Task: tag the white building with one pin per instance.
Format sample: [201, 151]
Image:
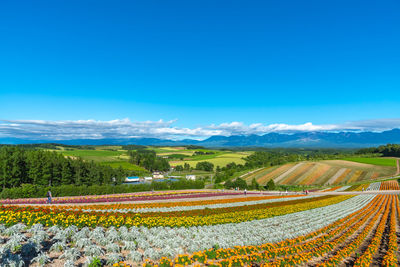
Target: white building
[191, 177]
[158, 175]
[148, 178]
[132, 179]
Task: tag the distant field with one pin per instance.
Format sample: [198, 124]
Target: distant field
[187, 153]
[159, 150]
[374, 161]
[124, 165]
[95, 155]
[221, 159]
[327, 172]
[115, 156]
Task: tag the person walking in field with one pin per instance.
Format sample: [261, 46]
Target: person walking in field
[245, 191]
[48, 197]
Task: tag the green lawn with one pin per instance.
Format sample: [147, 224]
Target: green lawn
[125, 165]
[95, 155]
[374, 161]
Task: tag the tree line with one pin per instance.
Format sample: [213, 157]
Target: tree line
[148, 159]
[19, 165]
[389, 150]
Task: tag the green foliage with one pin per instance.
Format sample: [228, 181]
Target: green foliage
[148, 160]
[176, 156]
[19, 166]
[95, 262]
[205, 166]
[270, 185]
[189, 147]
[197, 153]
[186, 167]
[239, 182]
[254, 185]
[389, 150]
[179, 168]
[184, 184]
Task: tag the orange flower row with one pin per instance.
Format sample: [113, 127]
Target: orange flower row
[390, 185]
[390, 259]
[366, 258]
[330, 245]
[331, 189]
[251, 254]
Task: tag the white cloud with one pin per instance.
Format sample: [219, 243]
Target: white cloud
[124, 128]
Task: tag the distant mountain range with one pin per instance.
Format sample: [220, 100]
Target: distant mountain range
[301, 139]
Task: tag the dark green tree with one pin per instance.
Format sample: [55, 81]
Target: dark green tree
[270, 185]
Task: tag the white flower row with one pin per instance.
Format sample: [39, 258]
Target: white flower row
[374, 186]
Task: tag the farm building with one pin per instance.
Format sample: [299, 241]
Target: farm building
[158, 175]
[191, 177]
[132, 179]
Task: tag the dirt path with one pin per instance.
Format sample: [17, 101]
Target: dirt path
[398, 166]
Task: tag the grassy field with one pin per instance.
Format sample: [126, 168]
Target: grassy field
[95, 155]
[374, 161]
[326, 172]
[114, 156]
[219, 159]
[125, 165]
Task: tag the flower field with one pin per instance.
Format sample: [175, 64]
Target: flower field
[252, 230]
[119, 197]
[326, 172]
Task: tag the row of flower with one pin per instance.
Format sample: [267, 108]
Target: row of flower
[390, 185]
[366, 225]
[133, 245]
[169, 204]
[375, 243]
[10, 215]
[121, 197]
[317, 247]
[390, 258]
[337, 189]
[249, 202]
[298, 251]
[280, 254]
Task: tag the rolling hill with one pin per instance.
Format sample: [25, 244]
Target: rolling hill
[326, 172]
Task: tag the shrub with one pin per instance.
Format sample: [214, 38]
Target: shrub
[270, 185]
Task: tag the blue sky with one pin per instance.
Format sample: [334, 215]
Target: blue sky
[200, 63]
